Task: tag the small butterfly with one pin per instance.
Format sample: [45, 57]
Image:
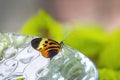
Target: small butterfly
[48, 47]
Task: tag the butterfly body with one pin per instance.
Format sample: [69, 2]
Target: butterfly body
[48, 47]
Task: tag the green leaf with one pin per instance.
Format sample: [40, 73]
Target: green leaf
[43, 25]
[88, 38]
[109, 74]
[110, 56]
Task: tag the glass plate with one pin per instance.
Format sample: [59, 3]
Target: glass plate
[19, 61]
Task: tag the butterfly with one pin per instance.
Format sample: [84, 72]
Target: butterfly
[48, 47]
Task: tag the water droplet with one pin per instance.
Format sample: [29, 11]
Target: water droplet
[10, 65]
[10, 52]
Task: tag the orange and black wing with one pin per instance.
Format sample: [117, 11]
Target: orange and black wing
[48, 47]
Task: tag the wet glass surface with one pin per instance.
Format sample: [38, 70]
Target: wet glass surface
[19, 61]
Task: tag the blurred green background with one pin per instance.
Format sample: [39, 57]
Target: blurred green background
[101, 46]
[90, 26]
